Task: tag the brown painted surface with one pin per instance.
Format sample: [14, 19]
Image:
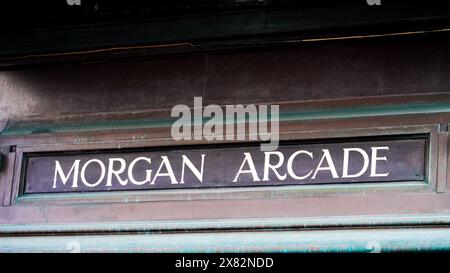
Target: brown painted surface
[6, 176]
[442, 167]
[331, 75]
[392, 203]
[331, 70]
[219, 203]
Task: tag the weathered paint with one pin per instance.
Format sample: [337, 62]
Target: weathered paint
[381, 240]
[89, 101]
[228, 224]
[342, 113]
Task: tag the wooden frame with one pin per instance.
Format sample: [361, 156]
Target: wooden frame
[231, 193]
[273, 207]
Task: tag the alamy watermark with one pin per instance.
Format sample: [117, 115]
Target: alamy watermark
[213, 123]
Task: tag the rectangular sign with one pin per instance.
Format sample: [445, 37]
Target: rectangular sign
[228, 166]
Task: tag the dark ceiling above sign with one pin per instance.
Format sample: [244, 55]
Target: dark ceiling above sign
[46, 29]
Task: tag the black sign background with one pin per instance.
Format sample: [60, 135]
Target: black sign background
[406, 162]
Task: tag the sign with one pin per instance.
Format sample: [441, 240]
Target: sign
[228, 166]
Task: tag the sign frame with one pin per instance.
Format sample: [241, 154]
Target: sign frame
[236, 193]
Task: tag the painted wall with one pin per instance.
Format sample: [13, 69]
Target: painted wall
[327, 89]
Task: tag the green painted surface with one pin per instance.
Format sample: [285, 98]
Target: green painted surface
[231, 224]
[376, 240]
[311, 115]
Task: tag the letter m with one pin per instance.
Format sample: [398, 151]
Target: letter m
[240, 112]
[64, 178]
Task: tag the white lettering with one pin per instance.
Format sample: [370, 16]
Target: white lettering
[331, 167]
[375, 158]
[64, 178]
[117, 173]
[147, 172]
[195, 171]
[165, 162]
[291, 160]
[83, 173]
[252, 170]
[346, 162]
[274, 168]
